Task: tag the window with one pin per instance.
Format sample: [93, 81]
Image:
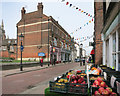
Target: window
[65, 46]
[4, 48]
[55, 41]
[11, 48]
[9, 41]
[114, 42]
[119, 49]
[114, 51]
[62, 44]
[15, 41]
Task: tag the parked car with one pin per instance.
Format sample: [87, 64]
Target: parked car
[77, 60]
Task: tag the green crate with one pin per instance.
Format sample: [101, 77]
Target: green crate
[58, 87]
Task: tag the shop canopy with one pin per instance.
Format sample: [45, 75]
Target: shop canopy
[92, 52]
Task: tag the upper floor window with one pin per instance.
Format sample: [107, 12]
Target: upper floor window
[62, 44]
[9, 41]
[65, 46]
[55, 41]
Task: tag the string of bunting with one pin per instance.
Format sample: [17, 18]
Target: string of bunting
[80, 10]
[77, 8]
[84, 38]
[82, 26]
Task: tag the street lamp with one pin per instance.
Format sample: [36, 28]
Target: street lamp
[21, 37]
[81, 45]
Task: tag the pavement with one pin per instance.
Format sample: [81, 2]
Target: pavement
[27, 69]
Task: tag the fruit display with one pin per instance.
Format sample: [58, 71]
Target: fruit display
[99, 83]
[100, 88]
[104, 92]
[73, 81]
[95, 78]
[63, 80]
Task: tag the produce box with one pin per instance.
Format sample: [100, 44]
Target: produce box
[58, 87]
[76, 88]
[106, 91]
[94, 77]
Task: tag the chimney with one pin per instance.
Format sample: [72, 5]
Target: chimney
[23, 11]
[40, 9]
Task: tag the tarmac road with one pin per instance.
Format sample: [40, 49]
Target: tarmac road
[34, 82]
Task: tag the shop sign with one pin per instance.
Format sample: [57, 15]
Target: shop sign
[53, 49]
[41, 54]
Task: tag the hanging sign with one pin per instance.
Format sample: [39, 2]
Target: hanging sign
[41, 54]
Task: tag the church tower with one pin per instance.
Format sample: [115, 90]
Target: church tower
[3, 31]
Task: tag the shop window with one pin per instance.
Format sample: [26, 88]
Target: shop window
[114, 61]
[119, 40]
[114, 42]
[119, 49]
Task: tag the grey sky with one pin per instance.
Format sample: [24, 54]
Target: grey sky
[69, 18]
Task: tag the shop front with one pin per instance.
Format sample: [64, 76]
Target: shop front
[111, 45]
[65, 55]
[55, 54]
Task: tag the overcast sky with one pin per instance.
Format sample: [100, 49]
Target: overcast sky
[68, 17]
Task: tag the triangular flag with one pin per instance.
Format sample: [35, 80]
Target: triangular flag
[73, 7]
[82, 11]
[86, 13]
[79, 9]
[70, 5]
[89, 15]
[67, 3]
[89, 21]
[63, 0]
[80, 27]
[84, 24]
[92, 19]
[76, 7]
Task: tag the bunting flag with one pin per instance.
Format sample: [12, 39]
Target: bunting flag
[82, 26]
[67, 3]
[84, 12]
[84, 38]
[81, 11]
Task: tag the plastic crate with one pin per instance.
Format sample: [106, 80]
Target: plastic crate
[75, 88]
[92, 75]
[93, 89]
[58, 87]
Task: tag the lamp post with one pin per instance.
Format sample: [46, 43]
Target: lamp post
[21, 37]
[81, 45]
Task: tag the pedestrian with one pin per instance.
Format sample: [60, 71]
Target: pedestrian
[54, 61]
[41, 62]
[84, 61]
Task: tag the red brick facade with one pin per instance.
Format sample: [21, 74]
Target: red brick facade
[98, 28]
[37, 29]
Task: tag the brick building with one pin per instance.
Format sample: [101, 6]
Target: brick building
[8, 47]
[98, 25]
[43, 34]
